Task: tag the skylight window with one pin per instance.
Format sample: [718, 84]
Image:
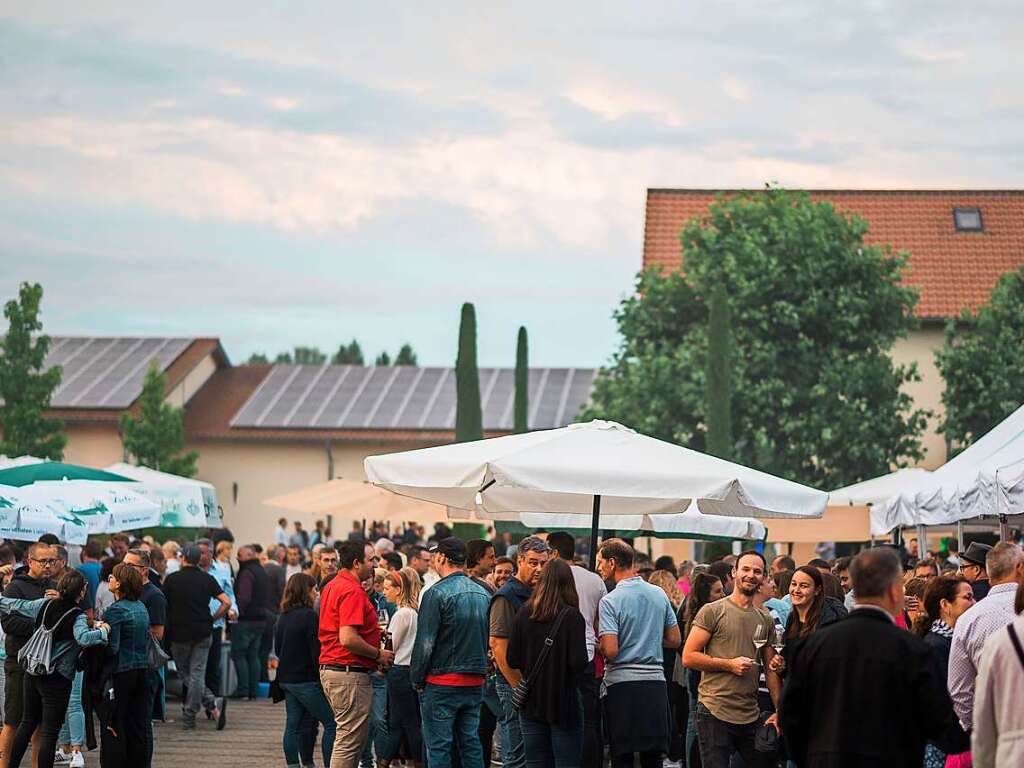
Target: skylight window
[967, 219]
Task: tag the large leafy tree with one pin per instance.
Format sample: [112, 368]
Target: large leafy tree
[814, 314]
[25, 386]
[156, 438]
[983, 364]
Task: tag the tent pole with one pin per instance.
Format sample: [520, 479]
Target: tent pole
[922, 542]
[960, 535]
[1004, 528]
[594, 522]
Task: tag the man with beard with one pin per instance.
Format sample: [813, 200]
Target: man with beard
[503, 570]
[531, 555]
[721, 646]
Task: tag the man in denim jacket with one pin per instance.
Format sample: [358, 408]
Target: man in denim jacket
[449, 659]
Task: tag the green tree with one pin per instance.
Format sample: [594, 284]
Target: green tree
[468, 414]
[383, 359]
[983, 364]
[283, 358]
[406, 356]
[718, 377]
[257, 358]
[156, 438]
[815, 311]
[521, 413]
[25, 386]
[349, 354]
[308, 356]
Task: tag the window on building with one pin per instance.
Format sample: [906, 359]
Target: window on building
[967, 219]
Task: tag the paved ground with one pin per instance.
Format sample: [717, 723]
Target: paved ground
[252, 738]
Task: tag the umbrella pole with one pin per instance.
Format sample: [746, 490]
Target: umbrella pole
[594, 522]
[960, 535]
[1004, 528]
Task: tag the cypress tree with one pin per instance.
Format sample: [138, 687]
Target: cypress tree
[522, 384]
[468, 415]
[718, 382]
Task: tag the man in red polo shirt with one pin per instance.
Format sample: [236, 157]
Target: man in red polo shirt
[349, 650]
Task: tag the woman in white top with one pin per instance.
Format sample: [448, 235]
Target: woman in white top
[997, 739]
[403, 737]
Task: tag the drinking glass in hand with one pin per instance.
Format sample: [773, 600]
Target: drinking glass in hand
[760, 640]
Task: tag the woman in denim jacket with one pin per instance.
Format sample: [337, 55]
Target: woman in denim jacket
[47, 696]
[129, 641]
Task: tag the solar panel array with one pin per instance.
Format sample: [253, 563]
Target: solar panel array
[405, 397]
[107, 372]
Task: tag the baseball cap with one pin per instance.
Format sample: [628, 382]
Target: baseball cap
[453, 548]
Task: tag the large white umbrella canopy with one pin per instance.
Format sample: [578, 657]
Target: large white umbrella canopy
[355, 499]
[103, 506]
[691, 524]
[563, 470]
[981, 480]
[184, 501]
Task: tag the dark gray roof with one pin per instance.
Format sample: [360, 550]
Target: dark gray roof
[404, 397]
[107, 372]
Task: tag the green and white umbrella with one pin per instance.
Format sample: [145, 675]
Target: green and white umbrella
[26, 514]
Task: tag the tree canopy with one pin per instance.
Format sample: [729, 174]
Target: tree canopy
[156, 438]
[26, 387]
[814, 314]
[983, 364]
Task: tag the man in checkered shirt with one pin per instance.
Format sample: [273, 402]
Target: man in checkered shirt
[1005, 567]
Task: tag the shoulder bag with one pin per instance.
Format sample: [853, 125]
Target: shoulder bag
[522, 690]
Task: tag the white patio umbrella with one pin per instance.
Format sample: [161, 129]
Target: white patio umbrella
[357, 499]
[104, 507]
[184, 501]
[584, 470]
[26, 514]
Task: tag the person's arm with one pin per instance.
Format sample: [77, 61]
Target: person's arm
[608, 630]
[86, 637]
[158, 617]
[577, 637]
[243, 592]
[426, 633]
[229, 590]
[350, 615]
[25, 609]
[695, 658]
[222, 609]
[514, 646]
[961, 678]
[671, 637]
[501, 618]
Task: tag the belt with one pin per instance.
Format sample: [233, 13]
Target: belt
[346, 668]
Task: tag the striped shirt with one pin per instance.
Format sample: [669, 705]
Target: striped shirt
[972, 629]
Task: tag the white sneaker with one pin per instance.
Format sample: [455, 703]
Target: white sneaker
[77, 760]
[61, 757]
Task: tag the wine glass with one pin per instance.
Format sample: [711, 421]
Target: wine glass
[779, 642]
[760, 640]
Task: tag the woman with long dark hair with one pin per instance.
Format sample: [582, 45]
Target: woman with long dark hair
[704, 588]
[403, 736]
[812, 609]
[551, 720]
[298, 659]
[945, 600]
[47, 695]
[129, 642]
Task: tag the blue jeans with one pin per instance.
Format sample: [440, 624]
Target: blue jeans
[245, 653]
[452, 713]
[73, 730]
[513, 754]
[552, 746]
[306, 700]
[378, 717]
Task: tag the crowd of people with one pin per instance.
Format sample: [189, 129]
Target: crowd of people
[442, 652]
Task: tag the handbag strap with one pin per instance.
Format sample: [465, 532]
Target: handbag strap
[1016, 643]
[548, 642]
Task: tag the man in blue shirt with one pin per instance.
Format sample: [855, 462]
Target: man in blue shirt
[90, 566]
[636, 621]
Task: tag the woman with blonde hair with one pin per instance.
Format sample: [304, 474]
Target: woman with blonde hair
[669, 585]
[403, 736]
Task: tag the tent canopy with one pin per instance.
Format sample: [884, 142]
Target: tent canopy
[26, 474]
[877, 489]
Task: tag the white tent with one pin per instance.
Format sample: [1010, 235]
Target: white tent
[877, 489]
[987, 478]
[587, 472]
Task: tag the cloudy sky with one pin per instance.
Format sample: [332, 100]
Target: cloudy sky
[302, 173]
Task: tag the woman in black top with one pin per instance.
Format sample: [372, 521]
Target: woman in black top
[552, 718]
[298, 670]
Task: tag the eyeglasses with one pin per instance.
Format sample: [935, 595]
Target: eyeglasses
[140, 566]
[45, 562]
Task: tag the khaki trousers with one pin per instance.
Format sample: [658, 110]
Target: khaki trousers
[351, 697]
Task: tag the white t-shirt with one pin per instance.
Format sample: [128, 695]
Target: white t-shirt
[590, 588]
[403, 634]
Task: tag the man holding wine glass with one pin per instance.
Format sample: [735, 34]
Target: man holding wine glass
[729, 644]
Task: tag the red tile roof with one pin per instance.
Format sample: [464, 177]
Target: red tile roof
[953, 270]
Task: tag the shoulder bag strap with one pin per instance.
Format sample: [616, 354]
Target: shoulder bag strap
[548, 642]
[1016, 643]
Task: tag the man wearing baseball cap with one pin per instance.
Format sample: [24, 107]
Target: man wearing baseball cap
[449, 658]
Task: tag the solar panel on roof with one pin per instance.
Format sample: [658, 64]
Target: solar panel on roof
[400, 397]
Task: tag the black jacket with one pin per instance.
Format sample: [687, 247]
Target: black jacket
[832, 610]
[863, 692]
[20, 628]
[251, 587]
